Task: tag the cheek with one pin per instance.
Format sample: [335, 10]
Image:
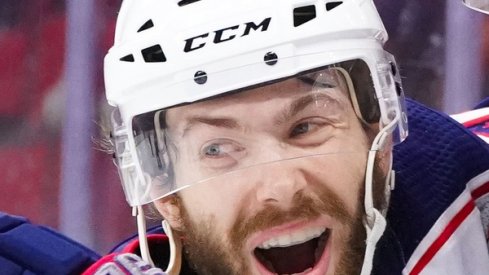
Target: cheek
[343, 174]
[350, 175]
[213, 201]
[350, 168]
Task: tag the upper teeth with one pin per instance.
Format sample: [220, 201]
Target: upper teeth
[293, 238]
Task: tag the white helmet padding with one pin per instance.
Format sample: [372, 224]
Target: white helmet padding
[212, 36]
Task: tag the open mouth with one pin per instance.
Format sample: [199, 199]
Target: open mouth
[293, 253]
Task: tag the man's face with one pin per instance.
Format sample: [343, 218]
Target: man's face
[281, 171]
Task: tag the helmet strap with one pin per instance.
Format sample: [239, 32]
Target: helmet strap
[143, 241]
[374, 233]
[175, 263]
[375, 222]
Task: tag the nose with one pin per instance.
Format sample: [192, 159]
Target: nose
[279, 182]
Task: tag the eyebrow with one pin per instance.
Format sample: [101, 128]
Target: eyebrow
[300, 104]
[221, 122]
[295, 107]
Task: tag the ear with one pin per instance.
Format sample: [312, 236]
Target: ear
[169, 208]
[385, 157]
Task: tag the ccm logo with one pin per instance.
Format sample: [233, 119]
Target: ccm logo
[223, 35]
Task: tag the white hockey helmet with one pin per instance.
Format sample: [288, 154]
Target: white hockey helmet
[169, 53]
[478, 5]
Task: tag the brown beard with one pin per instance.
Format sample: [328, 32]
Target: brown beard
[207, 253]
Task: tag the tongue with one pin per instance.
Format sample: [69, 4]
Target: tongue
[292, 259]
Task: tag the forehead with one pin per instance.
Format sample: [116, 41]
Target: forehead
[330, 83]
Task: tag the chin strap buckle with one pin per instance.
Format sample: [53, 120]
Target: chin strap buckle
[375, 226]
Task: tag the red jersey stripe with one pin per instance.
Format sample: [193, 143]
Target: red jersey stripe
[480, 191]
[476, 121]
[444, 236]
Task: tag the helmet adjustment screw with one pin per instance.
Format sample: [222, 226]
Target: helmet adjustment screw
[270, 58]
[200, 77]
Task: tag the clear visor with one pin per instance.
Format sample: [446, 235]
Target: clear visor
[479, 5]
[315, 121]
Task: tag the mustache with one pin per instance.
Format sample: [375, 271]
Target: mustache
[303, 207]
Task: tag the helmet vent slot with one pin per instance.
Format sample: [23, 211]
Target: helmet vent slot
[304, 14]
[148, 25]
[153, 54]
[127, 58]
[186, 2]
[332, 5]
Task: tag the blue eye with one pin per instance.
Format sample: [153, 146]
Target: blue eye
[221, 149]
[221, 153]
[212, 150]
[312, 131]
[301, 129]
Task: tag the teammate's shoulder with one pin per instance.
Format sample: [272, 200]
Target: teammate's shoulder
[434, 166]
[476, 120]
[26, 247]
[157, 243]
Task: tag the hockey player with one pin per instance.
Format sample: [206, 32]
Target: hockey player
[262, 132]
[267, 133]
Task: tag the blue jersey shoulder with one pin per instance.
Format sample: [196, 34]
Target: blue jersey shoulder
[433, 166]
[26, 248]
